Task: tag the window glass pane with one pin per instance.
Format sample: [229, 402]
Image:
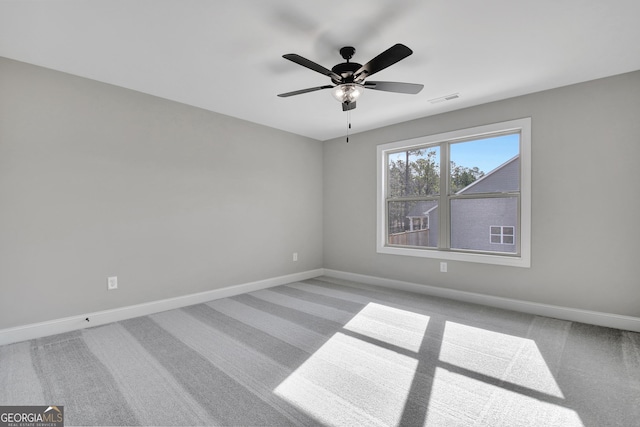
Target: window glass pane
[413, 223]
[485, 165]
[485, 198]
[473, 222]
[420, 178]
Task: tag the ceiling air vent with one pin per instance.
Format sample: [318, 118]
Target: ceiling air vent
[445, 98]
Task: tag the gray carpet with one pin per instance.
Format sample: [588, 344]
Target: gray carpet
[330, 352]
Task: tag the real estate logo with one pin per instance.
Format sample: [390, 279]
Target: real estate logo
[31, 416]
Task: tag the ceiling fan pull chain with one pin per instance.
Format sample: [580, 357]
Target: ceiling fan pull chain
[348, 124]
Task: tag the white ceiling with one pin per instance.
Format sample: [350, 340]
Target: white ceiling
[226, 55]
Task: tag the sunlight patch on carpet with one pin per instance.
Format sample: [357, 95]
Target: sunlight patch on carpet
[393, 326]
[474, 402]
[502, 357]
[351, 380]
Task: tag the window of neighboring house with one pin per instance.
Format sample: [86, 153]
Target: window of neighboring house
[438, 195]
[500, 235]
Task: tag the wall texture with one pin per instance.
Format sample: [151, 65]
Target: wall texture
[97, 180]
[585, 202]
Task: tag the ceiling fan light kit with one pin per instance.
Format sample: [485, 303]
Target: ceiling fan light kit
[348, 92]
[348, 78]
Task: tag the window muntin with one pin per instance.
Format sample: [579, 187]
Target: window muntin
[483, 179]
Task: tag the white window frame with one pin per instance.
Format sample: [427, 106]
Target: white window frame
[523, 126]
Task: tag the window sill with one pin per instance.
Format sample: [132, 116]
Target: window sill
[511, 261]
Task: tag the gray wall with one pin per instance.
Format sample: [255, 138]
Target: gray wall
[97, 180]
[586, 207]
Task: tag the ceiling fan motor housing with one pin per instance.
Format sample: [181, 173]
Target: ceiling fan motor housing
[346, 70]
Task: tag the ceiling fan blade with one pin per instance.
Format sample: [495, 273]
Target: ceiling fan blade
[347, 106]
[398, 87]
[312, 65]
[387, 58]
[301, 91]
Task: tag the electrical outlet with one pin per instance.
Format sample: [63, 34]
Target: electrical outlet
[443, 267]
[295, 256]
[112, 283]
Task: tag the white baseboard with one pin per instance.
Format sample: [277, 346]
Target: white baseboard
[67, 324]
[616, 321]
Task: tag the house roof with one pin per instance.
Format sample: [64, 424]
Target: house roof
[422, 209]
[501, 179]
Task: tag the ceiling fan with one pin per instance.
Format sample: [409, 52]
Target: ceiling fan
[348, 78]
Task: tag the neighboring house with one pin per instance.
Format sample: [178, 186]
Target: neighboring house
[423, 223]
[486, 224]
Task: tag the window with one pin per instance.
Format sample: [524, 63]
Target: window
[438, 195]
[501, 235]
